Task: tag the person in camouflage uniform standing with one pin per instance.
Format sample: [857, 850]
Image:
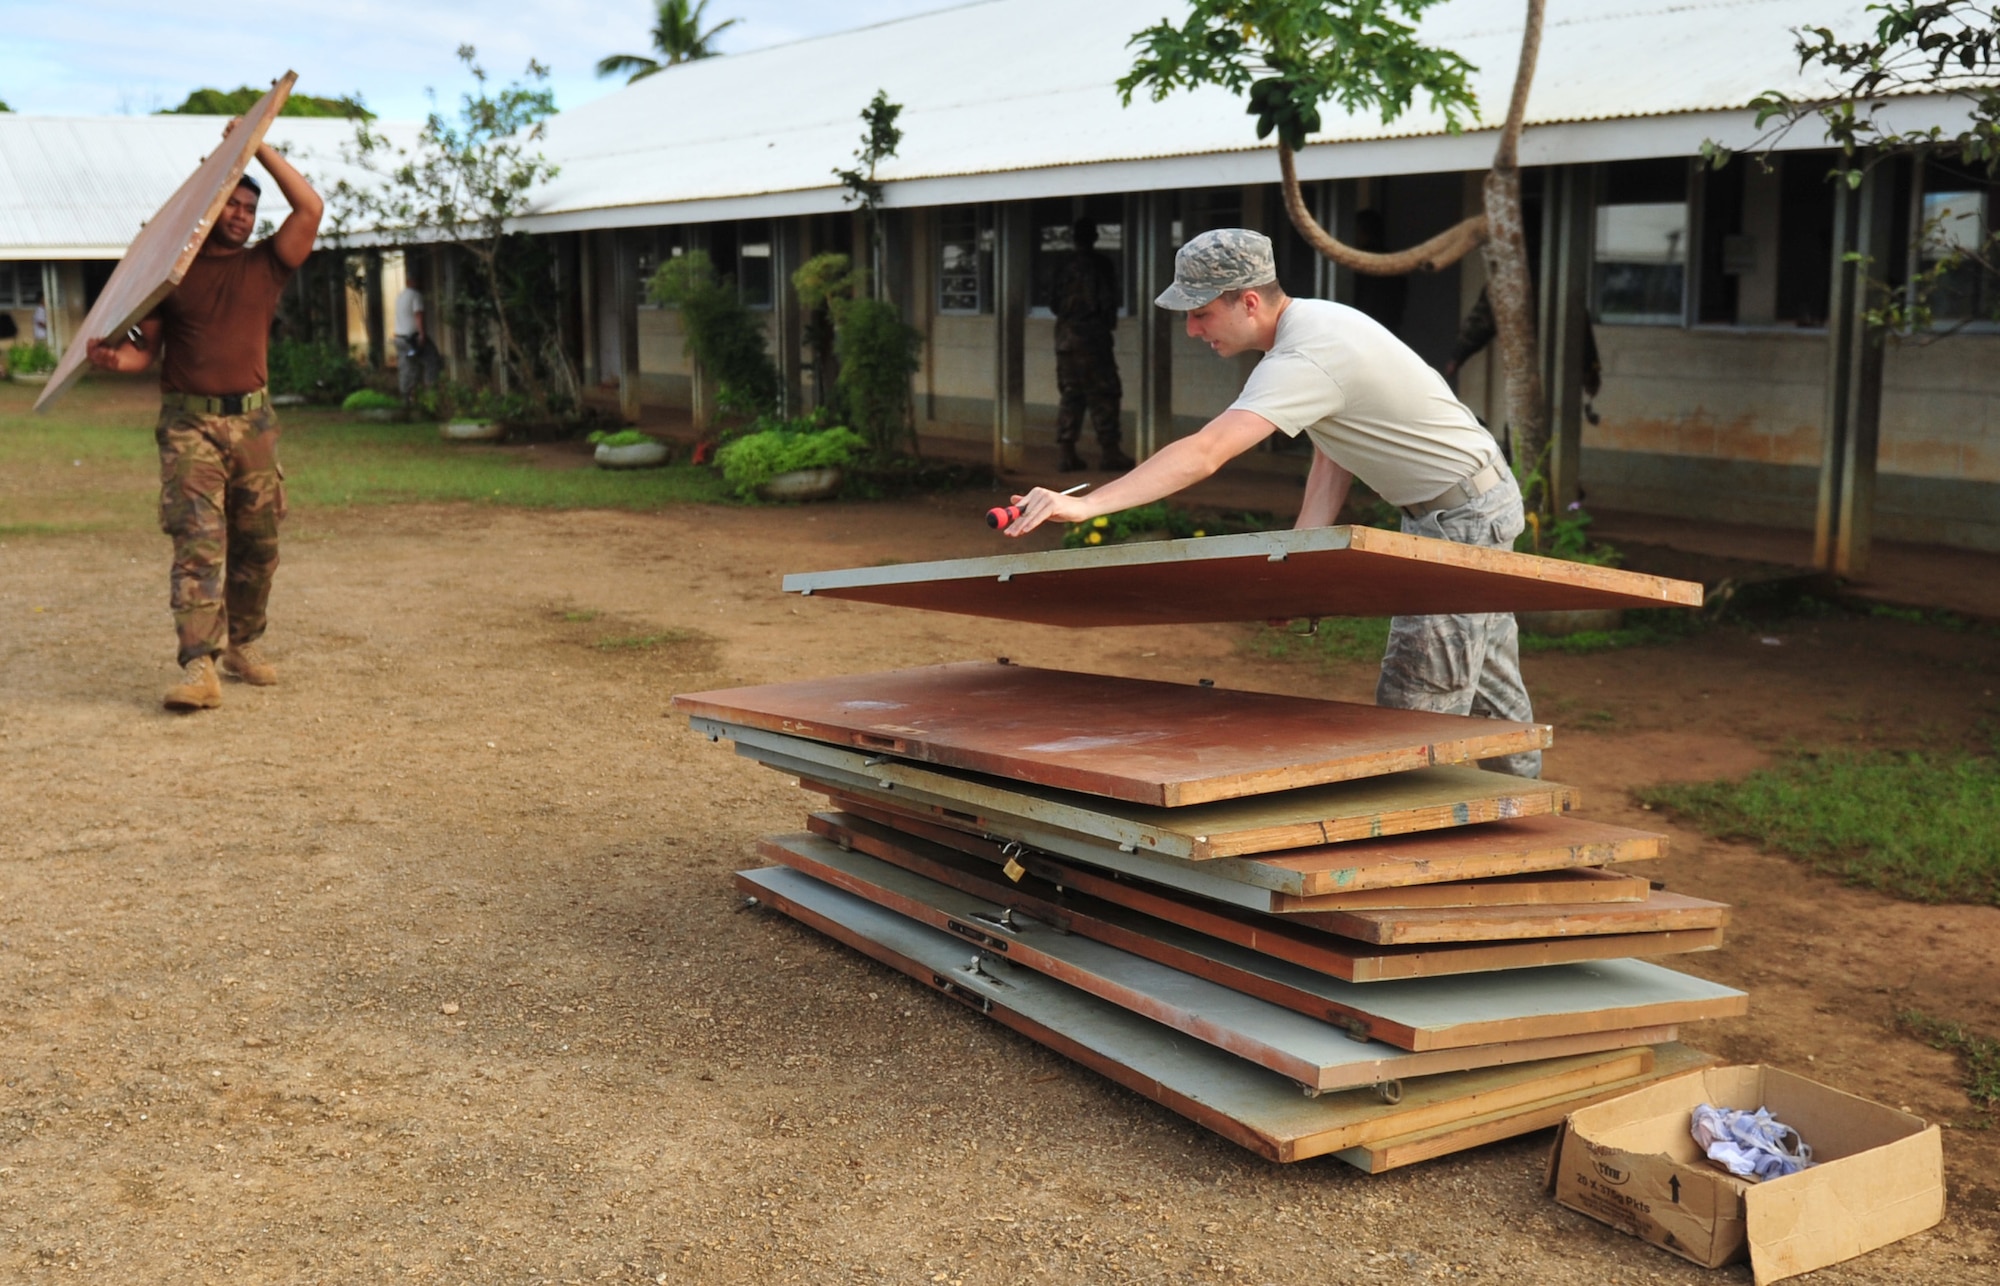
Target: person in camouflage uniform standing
[1086, 308]
[222, 492]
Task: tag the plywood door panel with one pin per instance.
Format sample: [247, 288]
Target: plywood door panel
[1419, 1014]
[1324, 571]
[1658, 912]
[1498, 1121]
[159, 255]
[1234, 1098]
[1539, 888]
[1162, 744]
[1318, 1055]
[1420, 800]
[1354, 961]
[1334, 873]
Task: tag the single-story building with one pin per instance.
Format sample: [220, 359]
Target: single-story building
[1708, 292]
[1720, 301]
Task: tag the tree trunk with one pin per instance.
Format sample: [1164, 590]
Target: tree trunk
[518, 362]
[1441, 251]
[1510, 287]
[1501, 235]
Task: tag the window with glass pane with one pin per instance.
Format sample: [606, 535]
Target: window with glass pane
[1954, 227]
[755, 284]
[1052, 227]
[1642, 262]
[965, 259]
[20, 284]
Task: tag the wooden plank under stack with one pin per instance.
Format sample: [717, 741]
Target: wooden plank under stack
[1221, 898]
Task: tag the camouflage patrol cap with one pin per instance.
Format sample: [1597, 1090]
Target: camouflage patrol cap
[1218, 260]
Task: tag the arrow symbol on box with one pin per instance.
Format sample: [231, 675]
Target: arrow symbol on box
[1674, 1185]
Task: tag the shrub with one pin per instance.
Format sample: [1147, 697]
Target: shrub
[367, 399]
[1566, 536]
[450, 400]
[31, 359]
[316, 372]
[622, 438]
[722, 334]
[1161, 519]
[750, 462]
[878, 353]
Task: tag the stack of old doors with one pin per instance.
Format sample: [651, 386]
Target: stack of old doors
[1220, 898]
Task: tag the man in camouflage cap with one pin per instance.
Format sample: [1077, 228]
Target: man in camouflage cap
[1374, 410]
[222, 493]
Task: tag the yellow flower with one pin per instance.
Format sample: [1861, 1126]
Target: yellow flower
[1100, 522]
[1199, 532]
[1094, 538]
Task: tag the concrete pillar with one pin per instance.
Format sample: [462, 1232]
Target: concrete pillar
[378, 346]
[586, 285]
[450, 332]
[626, 284]
[1861, 227]
[336, 300]
[1569, 218]
[1153, 259]
[53, 307]
[1010, 333]
[788, 329]
[1757, 282]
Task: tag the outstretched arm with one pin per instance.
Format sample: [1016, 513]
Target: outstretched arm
[1174, 467]
[1326, 492]
[294, 238]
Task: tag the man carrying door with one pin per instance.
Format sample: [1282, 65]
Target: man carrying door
[221, 491]
[1374, 410]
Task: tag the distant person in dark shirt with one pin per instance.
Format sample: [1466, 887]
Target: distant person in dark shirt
[1086, 308]
[222, 493]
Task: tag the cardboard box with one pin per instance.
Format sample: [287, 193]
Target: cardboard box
[1630, 1162]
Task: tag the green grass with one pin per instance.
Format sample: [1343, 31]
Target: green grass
[1642, 627]
[1342, 640]
[642, 642]
[1916, 825]
[1338, 640]
[90, 465]
[1981, 1053]
[331, 460]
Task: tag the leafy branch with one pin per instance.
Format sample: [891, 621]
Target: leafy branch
[467, 176]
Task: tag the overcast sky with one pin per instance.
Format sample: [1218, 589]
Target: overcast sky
[99, 57]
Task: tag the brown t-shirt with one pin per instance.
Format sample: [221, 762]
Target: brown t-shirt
[217, 323]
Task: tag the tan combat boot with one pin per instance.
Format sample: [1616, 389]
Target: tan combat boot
[248, 664]
[198, 689]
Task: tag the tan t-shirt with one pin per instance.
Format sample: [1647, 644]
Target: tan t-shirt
[1369, 402]
[217, 323]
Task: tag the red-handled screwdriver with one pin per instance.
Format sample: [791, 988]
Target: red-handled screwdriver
[1001, 517]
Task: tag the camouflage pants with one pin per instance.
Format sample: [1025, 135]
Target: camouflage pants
[1087, 380]
[222, 495]
[1464, 664]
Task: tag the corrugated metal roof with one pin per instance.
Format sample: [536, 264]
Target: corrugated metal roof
[1002, 99]
[81, 187]
[1017, 86]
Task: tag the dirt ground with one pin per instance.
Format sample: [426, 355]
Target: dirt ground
[426, 963]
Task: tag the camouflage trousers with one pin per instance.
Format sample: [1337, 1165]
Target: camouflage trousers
[1087, 380]
[1464, 664]
[222, 495]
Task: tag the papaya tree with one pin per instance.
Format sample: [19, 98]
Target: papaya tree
[1289, 57]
